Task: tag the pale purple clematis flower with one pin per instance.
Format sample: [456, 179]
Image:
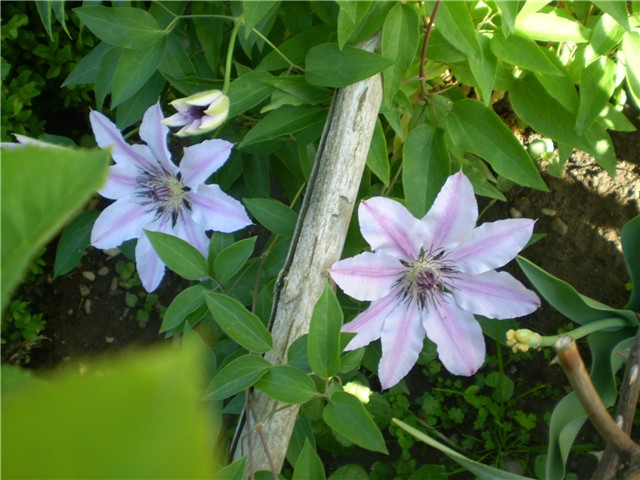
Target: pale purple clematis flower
[199, 113]
[154, 194]
[429, 276]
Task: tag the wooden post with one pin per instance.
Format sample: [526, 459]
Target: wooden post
[320, 234]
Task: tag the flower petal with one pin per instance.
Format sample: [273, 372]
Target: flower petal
[215, 210]
[154, 134]
[368, 276]
[390, 228]
[121, 181]
[492, 245]
[150, 267]
[453, 215]
[107, 135]
[494, 295]
[202, 160]
[368, 324]
[193, 233]
[458, 336]
[120, 221]
[402, 341]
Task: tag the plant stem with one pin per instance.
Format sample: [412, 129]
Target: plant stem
[573, 366]
[232, 43]
[425, 43]
[584, 330]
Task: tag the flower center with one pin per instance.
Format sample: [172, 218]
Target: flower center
[426, 279]
[164, 194]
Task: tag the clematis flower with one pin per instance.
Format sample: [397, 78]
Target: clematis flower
[154, 194]
[429, 277]
[199, 113]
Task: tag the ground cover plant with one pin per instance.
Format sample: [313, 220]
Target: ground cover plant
[325, 179]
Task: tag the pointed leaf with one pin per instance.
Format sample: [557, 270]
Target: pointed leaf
[285, 120]
[287, 384]
[617, 9]
[523, 52]
[180, 256]
[74, 239]
[237, 376]
[476, 128]
[347, 416]
[308, 465]
[187, 301]
[230, 260]
[238, 323]
[509, 10]
[630, 237]
[597, 83]
[548, 27]
[272, 214]
[86, 70]
[324, 335]
[455, 23]
[378, 157]
[233, 471]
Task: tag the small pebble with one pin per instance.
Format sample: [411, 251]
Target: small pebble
[114, 284]
[559, 226]
[103, 271]
[87, 306]
[109, 339]
[112, 252]
[89, 276]
[84, 291]
[515, 213]
[549, 212]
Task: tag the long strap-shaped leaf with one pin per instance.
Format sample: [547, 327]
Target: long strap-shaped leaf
[317, 243]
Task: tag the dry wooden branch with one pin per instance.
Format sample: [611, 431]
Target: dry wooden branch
[318, 242]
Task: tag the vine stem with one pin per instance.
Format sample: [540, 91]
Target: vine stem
[425, 43]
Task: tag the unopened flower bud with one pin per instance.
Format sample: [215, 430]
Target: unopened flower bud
[523, 339]
[358, 390]
[199, 113]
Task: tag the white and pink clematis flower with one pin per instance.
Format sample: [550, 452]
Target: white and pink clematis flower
[154, 194]
[429, 277]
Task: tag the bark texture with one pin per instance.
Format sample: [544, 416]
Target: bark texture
[320, 234]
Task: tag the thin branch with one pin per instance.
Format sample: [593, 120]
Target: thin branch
[425, 43]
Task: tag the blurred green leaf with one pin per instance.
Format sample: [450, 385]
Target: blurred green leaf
[347, 416]
[617, 9]
[287, 384]
[179, 255]
[275, 216]
[550, 27]
[42, 188]
[509, 10]
[607, 33]
[238, 323]
[74, 239]
[236, 376]
[631, 50]
[324, 335]
[329, 66]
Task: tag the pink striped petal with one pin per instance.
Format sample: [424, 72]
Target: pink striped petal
[120, 221]
[121, 181]
[215, 210]
[107, 135]
[154, 134]
[402, 341]
[150, 267]
[202, 160]
[193, 233]
[492, 245]
[390, 228]
[494, 295]
[453, 215]
[368, 276]
[457, 335]
[368, 324]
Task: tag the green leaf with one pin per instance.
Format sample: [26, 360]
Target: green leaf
[328, 66]
[236, 376]
[377, 157]
[132, 110]
[233, 471]
[607, 33]
[256, 11]
[238, 323]
[597, 83]
[455, 23]
[283, 121]
[548, 27]
[247, 91]
[613, 119]
[484, 472]
[425, 167]
[324, 335]
[41, 189]
[350, 471]
[630, 237]
[86, 70]
[134, 70]
[631, 50]
[399, 43]
[509, 10]
[230, 260]
[308, 464]
[186, 302]
[523, 52]
[209, 30]
[275, 216]
[287, 384]
[476, 128]
[346, 415]
[105, 73]
[295, 48]
[617, 9]
[74, 423]
[484, 71]
[180, 256]
[564, 298]
[74, 239]
[302, 432]
[352, 14]
[125, 27]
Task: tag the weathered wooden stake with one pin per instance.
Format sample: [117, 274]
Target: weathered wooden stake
[318, 242]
